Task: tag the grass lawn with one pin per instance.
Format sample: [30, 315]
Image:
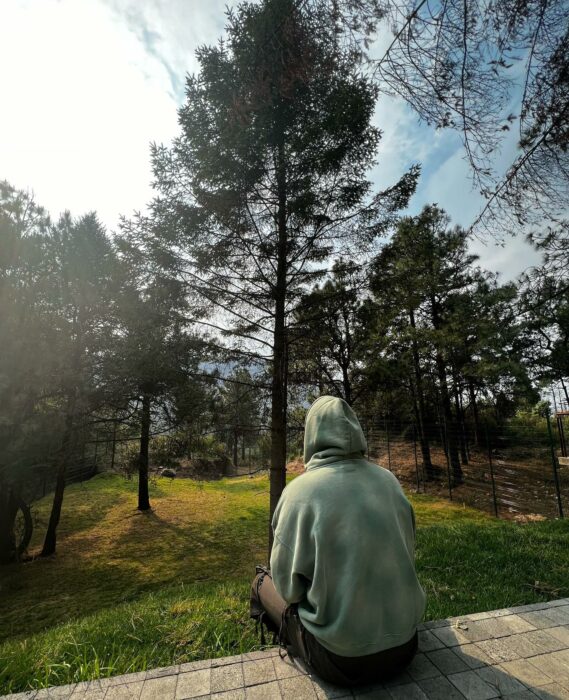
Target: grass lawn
[128, 591]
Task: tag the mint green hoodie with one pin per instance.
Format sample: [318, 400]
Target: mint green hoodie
[344, 541]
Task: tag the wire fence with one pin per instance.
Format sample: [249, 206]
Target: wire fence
[510, 472]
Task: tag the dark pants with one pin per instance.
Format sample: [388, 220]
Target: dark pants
[340, 670]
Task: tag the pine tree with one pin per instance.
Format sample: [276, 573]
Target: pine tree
[81, 278]
[328, 335]
[268, 177]
[156, 351]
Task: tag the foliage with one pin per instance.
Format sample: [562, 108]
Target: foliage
[268, 177]
[329, 334]
[56, 282]
[487, 70]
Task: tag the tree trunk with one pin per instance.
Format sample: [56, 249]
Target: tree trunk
[417, 421]
[463, 425]
[460, 425]
[423, 436]
[279, 368]
[278, 421]
[450, 427]
[235, 448]
[114, 445]
[143, 495]
[50, 540]
[243, 448]
[8, 512]
[565, 390]
[477, 433]
[347, 384]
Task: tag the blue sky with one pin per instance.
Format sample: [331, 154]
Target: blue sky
[90, 83]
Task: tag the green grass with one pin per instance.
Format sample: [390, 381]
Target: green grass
[127, 591]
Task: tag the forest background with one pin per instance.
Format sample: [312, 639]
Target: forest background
[270, 268]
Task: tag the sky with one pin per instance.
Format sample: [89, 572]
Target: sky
[89, 84]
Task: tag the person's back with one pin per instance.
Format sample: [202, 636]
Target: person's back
[343, 552]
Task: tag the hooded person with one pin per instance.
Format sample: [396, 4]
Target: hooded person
[342, 592]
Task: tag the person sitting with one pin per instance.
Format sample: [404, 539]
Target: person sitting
[342, 592]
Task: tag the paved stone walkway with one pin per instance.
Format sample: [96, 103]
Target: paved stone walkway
[519, 653]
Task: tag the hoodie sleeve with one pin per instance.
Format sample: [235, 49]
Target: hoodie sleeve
[292, 556]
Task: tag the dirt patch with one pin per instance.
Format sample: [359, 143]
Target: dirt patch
[523, 483]
[295, 467]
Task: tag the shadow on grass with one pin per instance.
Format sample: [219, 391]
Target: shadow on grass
[118, 554]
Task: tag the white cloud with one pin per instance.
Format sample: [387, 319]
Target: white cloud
[510, 259]
[173, 30]
[89, 84]
[83, 98]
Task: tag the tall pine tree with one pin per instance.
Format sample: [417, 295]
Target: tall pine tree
[268, 177]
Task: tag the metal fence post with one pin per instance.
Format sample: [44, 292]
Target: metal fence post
[114, 445]
[448, 459]
[491, 463]
[554, 465]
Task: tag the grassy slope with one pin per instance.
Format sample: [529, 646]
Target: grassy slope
[128, 591]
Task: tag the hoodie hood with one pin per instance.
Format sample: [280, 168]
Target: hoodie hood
[332, 433]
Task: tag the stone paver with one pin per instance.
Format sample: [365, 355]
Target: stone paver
[472, 686]
[473, 656]
[376, 693]
[516, 624]
[421, 667]
[284, 668]
[498, 650]
[157, 688]
[561, 633]
[124, 691]
[62, 691]
[525, 672]
[193, 684]
[408, 691]
[538, 618]
[440, 688]
[447, 661]
[521, 646]
[450, 636]
[161, 672]
[428, 641]
[225, 678]
[235, 694]
[552, 692]
[92, 690]
[503, 682]
[554, 666]
[297, 687]
[521, 653]
[266, 691]
[259, 671]
[544, 641]
[326, 690]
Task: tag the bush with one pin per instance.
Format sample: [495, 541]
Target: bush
[209, 447]
[165, 450]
